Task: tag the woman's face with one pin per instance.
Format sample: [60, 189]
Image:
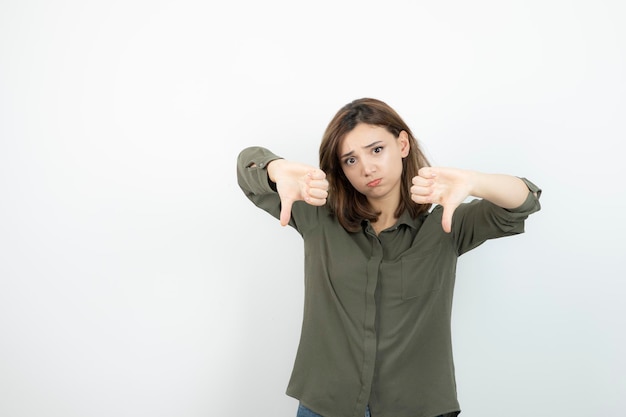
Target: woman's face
[371, 159]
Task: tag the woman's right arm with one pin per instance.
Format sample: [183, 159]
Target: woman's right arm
[274, 184]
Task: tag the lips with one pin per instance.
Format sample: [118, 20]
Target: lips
[374, 183]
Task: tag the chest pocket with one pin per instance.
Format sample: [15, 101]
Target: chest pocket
[421, 274]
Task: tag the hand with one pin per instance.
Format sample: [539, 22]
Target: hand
[297, 182]
[448, 187]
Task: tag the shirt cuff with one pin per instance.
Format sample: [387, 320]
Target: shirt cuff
[531, 204]
[253, 161]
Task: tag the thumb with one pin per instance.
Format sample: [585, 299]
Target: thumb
[446, 219]
[285, 212]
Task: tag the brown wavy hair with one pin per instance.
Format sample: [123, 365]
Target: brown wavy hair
[350, 206]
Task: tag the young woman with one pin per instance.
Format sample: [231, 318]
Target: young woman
[380, 261]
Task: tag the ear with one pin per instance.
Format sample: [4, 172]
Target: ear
[405, 144]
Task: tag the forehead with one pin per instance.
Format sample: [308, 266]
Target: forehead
[362, 135]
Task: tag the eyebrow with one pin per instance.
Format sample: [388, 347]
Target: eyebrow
[371, 145]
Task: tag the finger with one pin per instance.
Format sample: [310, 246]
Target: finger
[421, 199]
[316, 195]
[315, 201]
[422, 181]
[446, 219]
[421, 191]
[422, 194]
[285, 212]
[319, 187]
[319, 184]
[317, 174]
[427, 172]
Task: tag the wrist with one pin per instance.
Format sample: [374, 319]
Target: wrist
[273, 168]
[503, 190]
[475, 181]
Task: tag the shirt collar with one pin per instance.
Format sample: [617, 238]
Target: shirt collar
[405, 218]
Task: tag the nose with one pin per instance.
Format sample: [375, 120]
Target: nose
[369, 168]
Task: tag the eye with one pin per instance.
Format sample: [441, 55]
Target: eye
[350, 161]
[377, 149]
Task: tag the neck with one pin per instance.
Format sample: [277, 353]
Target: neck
[386, 206]
[387, 209]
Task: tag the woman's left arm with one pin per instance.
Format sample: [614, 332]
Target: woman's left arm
[506, 191]
[449, 187]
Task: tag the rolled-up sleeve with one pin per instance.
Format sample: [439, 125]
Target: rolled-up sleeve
[479, 220]
[251, 170]
[254, 181]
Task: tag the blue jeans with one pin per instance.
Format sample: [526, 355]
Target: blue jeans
[305, 412]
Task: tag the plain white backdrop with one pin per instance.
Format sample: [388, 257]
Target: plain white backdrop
[137, 280]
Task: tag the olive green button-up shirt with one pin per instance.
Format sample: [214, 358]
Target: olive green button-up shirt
[377, 310]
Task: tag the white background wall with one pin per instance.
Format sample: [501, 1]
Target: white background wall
[137, 280]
